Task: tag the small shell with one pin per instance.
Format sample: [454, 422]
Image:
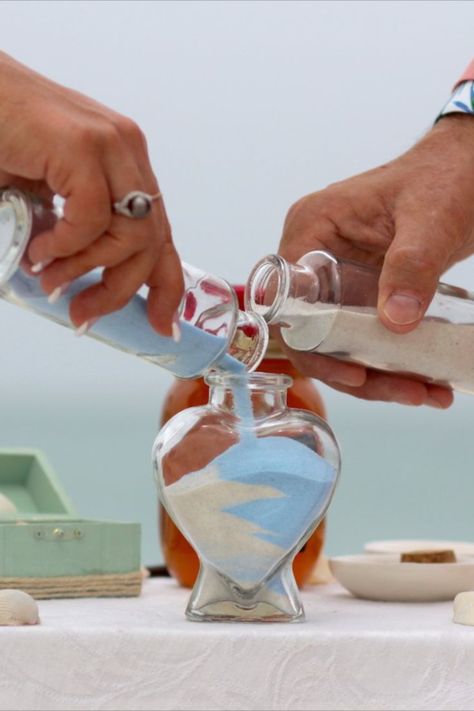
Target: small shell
[464, 608]
[17, 608]
[6, 505]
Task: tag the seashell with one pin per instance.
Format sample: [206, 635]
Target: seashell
[464, 608]
[6, 504]
[17, 608]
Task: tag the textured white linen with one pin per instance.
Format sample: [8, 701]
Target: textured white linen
[141, 653]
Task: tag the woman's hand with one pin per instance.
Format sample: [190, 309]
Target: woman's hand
[57, 141]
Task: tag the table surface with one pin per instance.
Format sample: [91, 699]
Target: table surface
[141, 653]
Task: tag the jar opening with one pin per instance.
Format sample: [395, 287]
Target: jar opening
[255, 381]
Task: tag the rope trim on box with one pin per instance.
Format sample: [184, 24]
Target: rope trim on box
[112, 585]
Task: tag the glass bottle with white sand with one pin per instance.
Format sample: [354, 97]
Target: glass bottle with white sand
[328, 305]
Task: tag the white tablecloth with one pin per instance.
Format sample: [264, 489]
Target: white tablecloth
[142, 654]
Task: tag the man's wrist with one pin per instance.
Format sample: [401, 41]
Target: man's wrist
[458, 128]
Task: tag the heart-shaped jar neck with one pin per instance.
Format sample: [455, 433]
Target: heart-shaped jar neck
[247, 396]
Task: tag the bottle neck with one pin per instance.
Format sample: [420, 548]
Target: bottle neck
[267, 393]
[286, 295]
[276, 287]
[22, 217]
[250, 340]
[210, 304]
[305, 298]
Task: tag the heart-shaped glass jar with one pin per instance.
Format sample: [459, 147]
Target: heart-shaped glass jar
[246, 480]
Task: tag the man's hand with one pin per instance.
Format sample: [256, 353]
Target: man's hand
[413, 218]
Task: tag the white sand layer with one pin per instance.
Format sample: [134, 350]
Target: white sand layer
[436, 350]
[227, 541]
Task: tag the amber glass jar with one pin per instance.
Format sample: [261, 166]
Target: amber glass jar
[180, 558]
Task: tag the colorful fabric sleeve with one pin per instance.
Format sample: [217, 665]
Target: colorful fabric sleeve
[461, 101]
[462, 98]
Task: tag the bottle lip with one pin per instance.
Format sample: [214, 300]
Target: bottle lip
[273, 349]
[255, 381]
[17, 222]
[270, 267]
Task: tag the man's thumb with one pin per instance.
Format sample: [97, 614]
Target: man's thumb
[411, 271]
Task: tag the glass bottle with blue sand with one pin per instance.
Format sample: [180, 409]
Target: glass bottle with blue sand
[247, 480]
[215, 334]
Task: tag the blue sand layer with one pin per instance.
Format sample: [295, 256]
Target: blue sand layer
[130, 331]
[303, 477]
[301, 483]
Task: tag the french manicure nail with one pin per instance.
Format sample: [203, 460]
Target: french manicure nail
[176, 332]
[402, 309]
[39, 266]
[57, 293]
[84, 327]
[54, 296]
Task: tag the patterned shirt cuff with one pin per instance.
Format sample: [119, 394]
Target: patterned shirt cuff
[461, 101]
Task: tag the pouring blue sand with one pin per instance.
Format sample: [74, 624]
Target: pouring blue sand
[129, 329]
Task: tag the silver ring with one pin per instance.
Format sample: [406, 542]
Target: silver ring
[135, 204]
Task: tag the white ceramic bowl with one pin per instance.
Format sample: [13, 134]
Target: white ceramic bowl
[461, 548]
[383, 577]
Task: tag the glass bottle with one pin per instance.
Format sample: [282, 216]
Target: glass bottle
[180, 558]
[247, 480]
[328, 305]
[214, 333]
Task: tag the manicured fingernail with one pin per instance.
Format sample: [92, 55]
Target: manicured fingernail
[84, 327]
[54, 296]
[431, 402]
[175, 332]
[39, 266]
[403, 309]
[57, 293]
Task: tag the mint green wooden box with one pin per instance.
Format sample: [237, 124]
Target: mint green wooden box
[46, 548]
